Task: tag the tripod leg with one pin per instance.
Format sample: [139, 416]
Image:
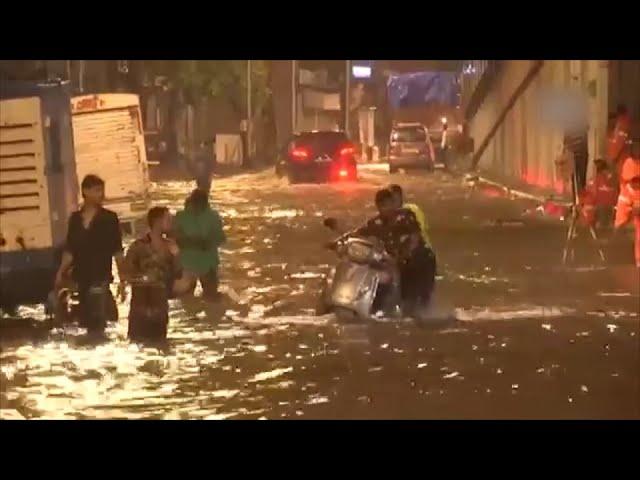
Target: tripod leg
[594, 235]
[569, 241]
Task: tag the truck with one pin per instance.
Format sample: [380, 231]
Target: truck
[38, 187]
[109, 142]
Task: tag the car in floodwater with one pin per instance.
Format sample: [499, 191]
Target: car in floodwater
[410, 146]
[318, 156]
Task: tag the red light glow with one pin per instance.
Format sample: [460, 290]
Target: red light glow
[299, 153]
[347, 151]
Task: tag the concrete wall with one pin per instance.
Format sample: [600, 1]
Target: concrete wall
[525, 146]
[624, 85]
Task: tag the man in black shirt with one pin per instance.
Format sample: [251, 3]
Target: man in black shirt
[93, 240]
[396, 228]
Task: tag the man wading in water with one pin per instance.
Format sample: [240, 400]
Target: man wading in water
[154, 270]
[93, 240]
[199, 233]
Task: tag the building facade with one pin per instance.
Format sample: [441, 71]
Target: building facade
[517, 112]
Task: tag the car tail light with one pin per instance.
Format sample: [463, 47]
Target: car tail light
[347, 150]
[299, 153]
[343, 172]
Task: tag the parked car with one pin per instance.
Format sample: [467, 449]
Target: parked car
[410, 146]
[318, 156]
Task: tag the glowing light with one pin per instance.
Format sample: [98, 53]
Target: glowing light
[300, 153]
[346, 151]
[361, 71]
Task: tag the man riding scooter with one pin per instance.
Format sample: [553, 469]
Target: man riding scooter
[399, 231]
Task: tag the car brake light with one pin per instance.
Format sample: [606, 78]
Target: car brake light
[348, 150]
[299, 153]
[343, 173]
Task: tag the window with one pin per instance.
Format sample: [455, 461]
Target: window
[321, 141]
[409, 135]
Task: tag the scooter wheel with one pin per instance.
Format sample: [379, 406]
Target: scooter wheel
[322, 306]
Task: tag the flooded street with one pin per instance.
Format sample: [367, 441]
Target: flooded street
[531, 339]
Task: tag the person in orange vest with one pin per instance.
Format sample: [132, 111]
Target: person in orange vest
[628, 207]
[617, 149]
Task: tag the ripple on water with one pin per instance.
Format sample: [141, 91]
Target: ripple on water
[262, 376]
[524, 312]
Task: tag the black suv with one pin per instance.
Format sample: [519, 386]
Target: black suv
[318, 156]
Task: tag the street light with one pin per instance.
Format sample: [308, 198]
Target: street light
[293, 96]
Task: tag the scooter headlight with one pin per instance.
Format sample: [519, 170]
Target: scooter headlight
[377, 257]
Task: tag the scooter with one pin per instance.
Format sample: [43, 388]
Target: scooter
[363, 285]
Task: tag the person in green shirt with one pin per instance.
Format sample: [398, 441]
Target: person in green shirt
[199, 233]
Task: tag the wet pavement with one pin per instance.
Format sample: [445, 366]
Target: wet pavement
[532, 339]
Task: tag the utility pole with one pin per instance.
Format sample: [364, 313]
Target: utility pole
[347, 78]
[249, 125]
[81, 76]
[294, 96]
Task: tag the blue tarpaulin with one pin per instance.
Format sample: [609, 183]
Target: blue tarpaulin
[414, 89]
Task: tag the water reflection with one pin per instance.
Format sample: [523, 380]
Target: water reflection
[263, 353]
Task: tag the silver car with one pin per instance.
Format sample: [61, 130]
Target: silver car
[410, 147]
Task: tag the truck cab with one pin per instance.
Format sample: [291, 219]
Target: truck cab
[38, 187]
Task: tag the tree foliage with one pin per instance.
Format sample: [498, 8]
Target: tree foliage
[219, 78]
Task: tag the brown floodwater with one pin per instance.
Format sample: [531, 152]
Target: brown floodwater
[531, 339]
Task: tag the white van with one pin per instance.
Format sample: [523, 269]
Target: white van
[109, 142]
